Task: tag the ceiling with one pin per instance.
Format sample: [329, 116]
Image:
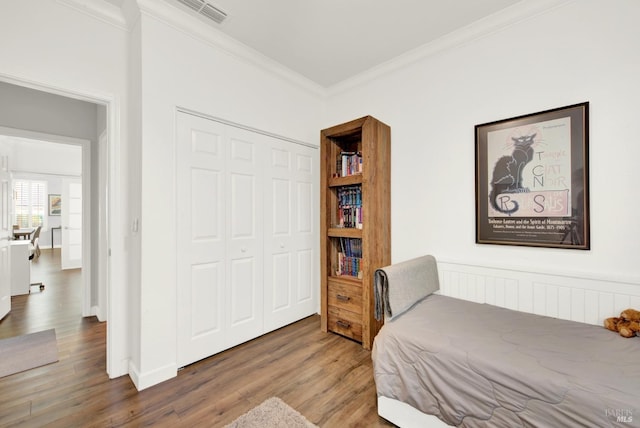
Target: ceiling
[329, 41]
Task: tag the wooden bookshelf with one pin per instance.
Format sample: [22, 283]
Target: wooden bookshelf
[346, 295]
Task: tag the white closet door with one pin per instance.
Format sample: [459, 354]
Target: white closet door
[245, 235]
[201, 240]
[242, 197]
[290, 231]
[219, 242]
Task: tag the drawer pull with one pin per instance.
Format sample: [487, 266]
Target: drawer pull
[343, 324]
[343, 298]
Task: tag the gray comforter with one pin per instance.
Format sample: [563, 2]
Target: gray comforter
[477, 365]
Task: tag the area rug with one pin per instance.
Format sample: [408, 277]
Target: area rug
[28, 351]
[272, 413]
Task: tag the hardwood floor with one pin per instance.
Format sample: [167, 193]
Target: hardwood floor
[325, 377]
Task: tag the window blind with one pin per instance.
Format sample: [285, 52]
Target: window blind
[30, 203]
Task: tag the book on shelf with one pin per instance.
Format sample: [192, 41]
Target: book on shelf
[350, 257]
[349, 207]
[348, 163]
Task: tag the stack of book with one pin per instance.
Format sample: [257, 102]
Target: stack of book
[349, 257]
[350, 207]
[349, 163]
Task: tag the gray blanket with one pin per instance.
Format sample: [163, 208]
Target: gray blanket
[477, 365]
[401, 285]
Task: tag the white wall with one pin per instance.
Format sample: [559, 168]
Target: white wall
[181, 70]
[581, 51]
[63, 50]
[44, 157]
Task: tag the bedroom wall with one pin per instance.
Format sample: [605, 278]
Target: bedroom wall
[193, 69]
[576, 51]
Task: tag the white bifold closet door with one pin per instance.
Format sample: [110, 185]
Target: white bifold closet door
[242, 269]
[290, 228]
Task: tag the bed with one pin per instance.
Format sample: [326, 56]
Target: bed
[442, 361]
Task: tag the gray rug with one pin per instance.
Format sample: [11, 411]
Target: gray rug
[25, 352]
[272, 413]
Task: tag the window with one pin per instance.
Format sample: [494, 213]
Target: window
[30, 203]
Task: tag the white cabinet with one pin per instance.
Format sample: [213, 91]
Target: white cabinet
[20, 266]
[247, 235]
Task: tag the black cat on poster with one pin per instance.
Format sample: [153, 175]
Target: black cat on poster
[507, 174]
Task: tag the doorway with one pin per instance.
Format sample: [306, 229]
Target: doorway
[42, 173]
[97, 236]
[55, 164]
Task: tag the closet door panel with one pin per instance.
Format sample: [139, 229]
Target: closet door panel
[281, 281]
[200, 168]
[289, 218]
[206, 292]
[245, 236]
[243, 280]
[306, 232]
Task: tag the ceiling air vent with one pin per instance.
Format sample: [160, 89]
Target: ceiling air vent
[205, 9]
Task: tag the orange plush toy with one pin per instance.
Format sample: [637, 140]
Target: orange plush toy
[628, 324]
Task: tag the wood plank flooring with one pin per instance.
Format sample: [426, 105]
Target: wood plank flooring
[325, 377]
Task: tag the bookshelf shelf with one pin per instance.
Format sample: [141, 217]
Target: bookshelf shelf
[344, 232]
[345, 181]
[355, 188]
[346, 278]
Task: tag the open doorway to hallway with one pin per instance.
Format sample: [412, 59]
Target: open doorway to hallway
[59, 123]
[45, 107]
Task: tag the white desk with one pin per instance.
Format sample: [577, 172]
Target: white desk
[23, 233]
[20, 266]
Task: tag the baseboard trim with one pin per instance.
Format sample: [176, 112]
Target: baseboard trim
[151, 378]
[95, 311]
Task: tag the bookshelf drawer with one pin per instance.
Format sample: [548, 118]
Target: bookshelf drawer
[345, 296]
[346, 323]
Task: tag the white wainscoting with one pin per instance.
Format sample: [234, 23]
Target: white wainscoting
[577, 297]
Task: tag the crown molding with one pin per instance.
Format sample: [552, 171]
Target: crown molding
[521, 11]
[170, 14]
[99, 9]
[179, 18]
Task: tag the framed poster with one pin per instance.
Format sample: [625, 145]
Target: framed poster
[55, 203]
[532, 184]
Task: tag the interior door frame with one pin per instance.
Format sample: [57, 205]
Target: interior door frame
[117, 358]
[5, 224]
